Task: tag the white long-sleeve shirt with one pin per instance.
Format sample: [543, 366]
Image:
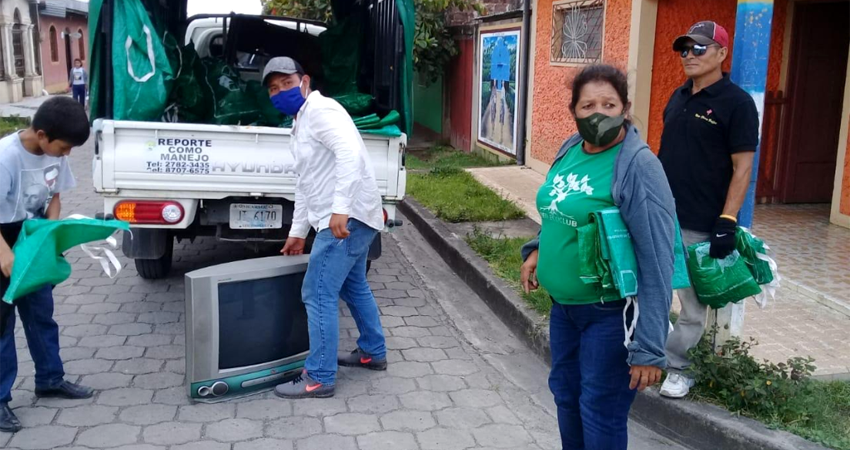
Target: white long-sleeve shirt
[335, 175]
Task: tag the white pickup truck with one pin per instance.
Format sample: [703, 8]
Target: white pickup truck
[237, 183]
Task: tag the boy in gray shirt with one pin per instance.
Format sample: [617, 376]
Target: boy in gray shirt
[34, 171]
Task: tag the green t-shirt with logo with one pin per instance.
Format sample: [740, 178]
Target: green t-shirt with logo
[577, 185]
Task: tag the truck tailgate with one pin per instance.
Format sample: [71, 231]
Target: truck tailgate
[216, 161]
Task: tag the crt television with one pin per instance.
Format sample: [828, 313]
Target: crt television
[246, 326]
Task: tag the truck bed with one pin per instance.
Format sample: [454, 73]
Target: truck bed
[177, 160]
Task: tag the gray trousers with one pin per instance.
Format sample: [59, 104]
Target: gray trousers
[691, 324]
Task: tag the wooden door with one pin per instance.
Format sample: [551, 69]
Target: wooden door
[818, 73]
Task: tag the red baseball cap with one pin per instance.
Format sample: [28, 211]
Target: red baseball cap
[705, 33]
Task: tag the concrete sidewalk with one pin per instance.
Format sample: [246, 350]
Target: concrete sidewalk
[811, 314]
[25, 108]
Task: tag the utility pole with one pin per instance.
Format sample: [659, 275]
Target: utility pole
[751, 49]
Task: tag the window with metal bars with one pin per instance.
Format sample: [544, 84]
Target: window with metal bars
[82, 43]
[2, 60]
[577, 27]
[18, 49]
[54, 45]
[18, 44]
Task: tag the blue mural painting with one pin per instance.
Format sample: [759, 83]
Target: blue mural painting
[498, 75]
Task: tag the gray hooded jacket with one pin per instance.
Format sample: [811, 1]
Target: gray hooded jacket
[641, 191]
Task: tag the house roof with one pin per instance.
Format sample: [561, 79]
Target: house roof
[61, 8]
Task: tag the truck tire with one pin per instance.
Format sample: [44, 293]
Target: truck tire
[368, 265]
[155, 269]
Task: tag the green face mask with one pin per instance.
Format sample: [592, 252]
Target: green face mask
[599, 129]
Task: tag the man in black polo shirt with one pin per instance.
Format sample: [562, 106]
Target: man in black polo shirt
[711, 130]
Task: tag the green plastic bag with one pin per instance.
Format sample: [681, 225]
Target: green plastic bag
[142, 73]
[232, 103]
[341, 46]
[607, 256]
[392, 131]
[750, 248]
[38, 251]
[356, 103]
[191, 102]
[392, 118]
[718, 282]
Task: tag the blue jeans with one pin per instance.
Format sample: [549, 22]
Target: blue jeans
[79, 93]
[36, 311]
[590, 377]
[338, 269]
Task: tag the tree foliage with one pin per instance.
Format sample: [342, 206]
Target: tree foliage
[433, 46]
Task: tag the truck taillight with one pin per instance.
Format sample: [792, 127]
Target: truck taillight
[149, 212]
[386, 217]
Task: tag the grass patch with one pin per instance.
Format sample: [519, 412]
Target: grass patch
[504, 258]
[456, 196]
[447, 157]
[451, 193]
[11, 124]
[829, 423]
[780, 395]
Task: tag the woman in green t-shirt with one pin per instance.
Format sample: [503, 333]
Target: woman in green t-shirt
[594, 376]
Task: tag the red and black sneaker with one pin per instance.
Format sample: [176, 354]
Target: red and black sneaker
[359, 358]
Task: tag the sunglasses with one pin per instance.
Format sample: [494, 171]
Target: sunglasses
[697, 49]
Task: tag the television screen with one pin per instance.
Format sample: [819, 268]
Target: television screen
[261, 320]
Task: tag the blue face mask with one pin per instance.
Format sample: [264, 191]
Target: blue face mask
[289, 102]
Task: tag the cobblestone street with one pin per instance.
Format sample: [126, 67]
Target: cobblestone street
[457, 378]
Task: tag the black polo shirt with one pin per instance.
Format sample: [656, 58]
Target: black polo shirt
[701, 132]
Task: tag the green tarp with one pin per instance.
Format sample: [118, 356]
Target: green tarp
[607, 256]
[141, 70]
[39, 249]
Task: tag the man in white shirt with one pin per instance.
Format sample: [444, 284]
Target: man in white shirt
[337, 195]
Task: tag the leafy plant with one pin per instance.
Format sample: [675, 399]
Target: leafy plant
[742, 384]
[433, 46]
[781, 395]
[302, 9]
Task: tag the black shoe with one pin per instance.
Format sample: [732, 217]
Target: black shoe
[359, 358]
[65, 390]
[8, 420]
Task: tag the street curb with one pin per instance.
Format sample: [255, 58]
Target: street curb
[833, 303]
[702, 426]
[696, 425]
[530, 326]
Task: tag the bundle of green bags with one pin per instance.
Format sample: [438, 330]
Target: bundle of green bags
[742, 274]
[607, 256]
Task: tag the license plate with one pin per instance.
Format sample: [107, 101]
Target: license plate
[255, 217]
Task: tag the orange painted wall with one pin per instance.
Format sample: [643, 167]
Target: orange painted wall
[551, 121]
[844, 206]
[777, 43]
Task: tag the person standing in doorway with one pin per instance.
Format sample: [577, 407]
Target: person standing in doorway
[78, 80]
[711, 131]
[337, 195]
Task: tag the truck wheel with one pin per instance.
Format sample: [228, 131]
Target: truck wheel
[155, 269]
[368, 265]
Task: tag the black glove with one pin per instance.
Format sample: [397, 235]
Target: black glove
[723, 238]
